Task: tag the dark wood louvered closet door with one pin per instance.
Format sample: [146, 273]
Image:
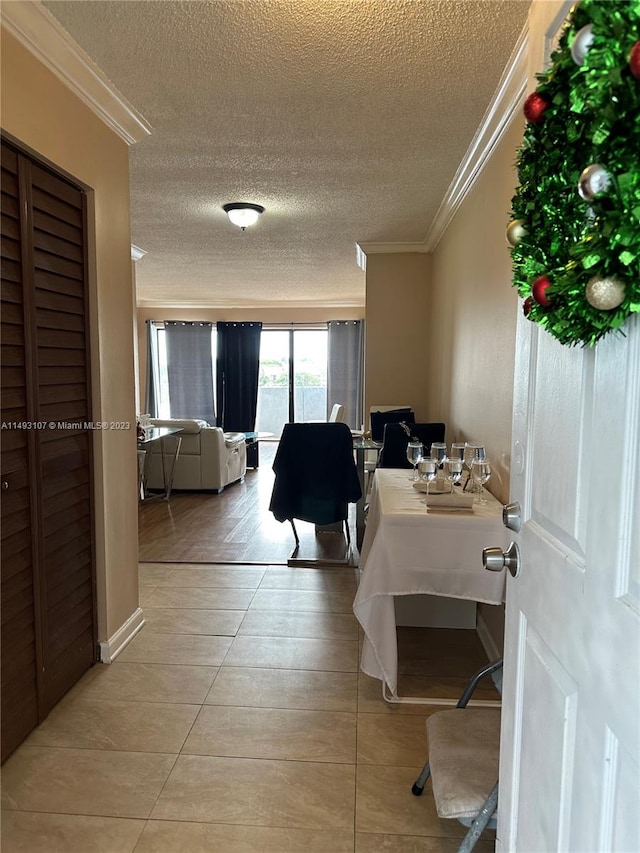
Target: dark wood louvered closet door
[58, 450]
[19, 632]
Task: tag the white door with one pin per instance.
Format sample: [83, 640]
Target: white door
[570, 764]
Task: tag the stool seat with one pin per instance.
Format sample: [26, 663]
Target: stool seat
[464, 747]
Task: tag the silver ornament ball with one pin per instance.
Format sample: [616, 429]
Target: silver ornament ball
[605, 294]
[515, 232]
[593, 181]
[581, 44]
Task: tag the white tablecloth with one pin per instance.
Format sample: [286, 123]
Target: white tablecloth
[407, 551]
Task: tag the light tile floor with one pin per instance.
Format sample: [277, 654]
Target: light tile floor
[236, 721]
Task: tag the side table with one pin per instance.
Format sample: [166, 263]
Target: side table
[252, 440]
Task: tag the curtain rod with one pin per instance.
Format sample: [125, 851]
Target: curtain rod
[286, 327]
[319, 324]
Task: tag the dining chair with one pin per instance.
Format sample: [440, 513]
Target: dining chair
[315, 480]
[464, 751]
[395, 440]
[380, 416]
[337, 414]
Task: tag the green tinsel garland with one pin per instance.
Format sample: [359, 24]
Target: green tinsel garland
[593, 117]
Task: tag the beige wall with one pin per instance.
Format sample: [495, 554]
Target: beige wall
[43, 115]
[472, 349]
[472, 346]
[212, 315]
[398, 324]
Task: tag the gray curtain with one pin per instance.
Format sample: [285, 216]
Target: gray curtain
[152, 387]
[345, 368]
[190, 370]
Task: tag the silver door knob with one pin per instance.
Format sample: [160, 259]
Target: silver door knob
[495, 559]
[512, 516]
[5, 485]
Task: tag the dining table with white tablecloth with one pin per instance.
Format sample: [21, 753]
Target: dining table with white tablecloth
[408, 550]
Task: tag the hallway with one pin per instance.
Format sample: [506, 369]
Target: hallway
[237, 721]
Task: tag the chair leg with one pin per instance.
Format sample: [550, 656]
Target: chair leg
[303, 561]
[480, 821]
[348, 538]
[295, 533]
[418, 786]
[347, 533]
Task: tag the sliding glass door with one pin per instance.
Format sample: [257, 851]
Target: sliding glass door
[292, 383]
[273, 382]
[309, 375]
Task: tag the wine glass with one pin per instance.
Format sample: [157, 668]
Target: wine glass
[439, 453]
[414, 455]
[473, 450]
[481, 472]
[453, 470]
[457, 450]
[428, 470]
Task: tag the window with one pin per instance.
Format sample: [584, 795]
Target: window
[164, 408]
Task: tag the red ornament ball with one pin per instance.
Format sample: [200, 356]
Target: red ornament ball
[634, 60]
[534, 107]
[527, 305]
[539, 291]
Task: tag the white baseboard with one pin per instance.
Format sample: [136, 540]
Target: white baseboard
[488, 643]
[490, 647]
[110, 650]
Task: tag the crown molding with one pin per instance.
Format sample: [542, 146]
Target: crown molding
[257, 306]
[44, 37]
[384, 248]
[505, 103]
[365, 248]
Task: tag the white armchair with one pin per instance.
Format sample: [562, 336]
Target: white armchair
[209, 459]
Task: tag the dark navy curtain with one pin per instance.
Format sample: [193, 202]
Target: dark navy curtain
[190, 370]
[237, 375]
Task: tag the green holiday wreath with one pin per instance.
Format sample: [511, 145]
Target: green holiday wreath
[575, 229]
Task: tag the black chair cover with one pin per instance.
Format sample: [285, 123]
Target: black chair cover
[380, 419]
[394, 447]
[316, 475]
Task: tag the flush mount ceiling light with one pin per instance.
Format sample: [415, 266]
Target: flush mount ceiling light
[243, 213]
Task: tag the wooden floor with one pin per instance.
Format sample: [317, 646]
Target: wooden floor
[233, 527]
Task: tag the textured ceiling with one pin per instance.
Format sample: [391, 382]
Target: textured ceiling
[346, 119]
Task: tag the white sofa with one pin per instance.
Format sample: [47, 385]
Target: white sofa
[209, 458]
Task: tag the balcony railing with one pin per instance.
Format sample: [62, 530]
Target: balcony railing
[310, 404]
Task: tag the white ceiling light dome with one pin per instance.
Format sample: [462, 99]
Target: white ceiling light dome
[243, 213]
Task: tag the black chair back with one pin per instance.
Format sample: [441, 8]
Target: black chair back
[393, 416]
[395, 440]
[316, 475]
